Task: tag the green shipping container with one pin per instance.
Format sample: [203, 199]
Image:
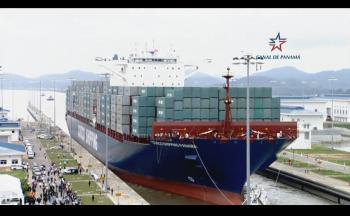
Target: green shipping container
[258, 103]
[267, 114]
[204, 92]
[178, 105]
[204, 114]
[143, 101]
[139, 121]
[267, 92]
[150, 121]
[139, 131]
[275, 113]
[196, 113]
[165, 113]
[221, 115]
[187, 103]
[213, 103]
[196, 92]
[275, 103]
[165, 102]
[187, 92]
[242, 92]
[241, 103]
[187, 113]
[258, 92]
[178, 94]
[213, 92]
[214, 114]
[196, 102]
[266, 102]
[148, 91]
[221, 105]
[143, 111]
[178, 115]
[234, 113]
[204, 103]
[169, 92]
[234, 92]
[258, 113]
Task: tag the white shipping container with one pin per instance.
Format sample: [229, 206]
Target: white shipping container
[123, 100]
[123, 119]
[123, 110]
[125, 129]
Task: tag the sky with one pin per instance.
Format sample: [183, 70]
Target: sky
[34, 42]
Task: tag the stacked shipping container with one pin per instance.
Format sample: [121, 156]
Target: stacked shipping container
[134, 109]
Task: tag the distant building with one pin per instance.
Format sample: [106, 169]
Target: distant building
[311, 104]
[341, 106]
[9, 130]
[11, 154]
[307, 121]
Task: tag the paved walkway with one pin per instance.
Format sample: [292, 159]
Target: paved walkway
[127, 195]
[318, 162]
[335, 183]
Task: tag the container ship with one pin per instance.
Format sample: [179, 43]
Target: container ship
[160, 134]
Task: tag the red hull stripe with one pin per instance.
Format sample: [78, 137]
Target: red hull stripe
[202, 193]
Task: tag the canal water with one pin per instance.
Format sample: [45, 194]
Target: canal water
[278, 194]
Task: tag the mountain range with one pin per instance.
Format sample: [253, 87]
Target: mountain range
[283, 80]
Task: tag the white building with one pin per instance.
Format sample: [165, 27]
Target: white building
[341, 106]
[9, 130]
[311, 104]
[11, 154]
[307, 121]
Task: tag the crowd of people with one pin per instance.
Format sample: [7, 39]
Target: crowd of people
[52, 189]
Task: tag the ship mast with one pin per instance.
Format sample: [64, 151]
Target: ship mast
[228, 115]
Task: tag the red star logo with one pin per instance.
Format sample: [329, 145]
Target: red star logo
[277, 42]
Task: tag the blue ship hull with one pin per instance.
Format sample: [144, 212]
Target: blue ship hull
[200, 165]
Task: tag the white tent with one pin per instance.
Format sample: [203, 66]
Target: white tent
[10, 190]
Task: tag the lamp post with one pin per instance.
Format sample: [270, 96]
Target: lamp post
[332, 111]
[303, 82]
[247, 60]
[71, 117]
[106, 75]
[2, 95]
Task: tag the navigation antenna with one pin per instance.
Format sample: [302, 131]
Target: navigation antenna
[228, 115]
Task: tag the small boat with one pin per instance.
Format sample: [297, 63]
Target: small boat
[43, 94]
[50, 98]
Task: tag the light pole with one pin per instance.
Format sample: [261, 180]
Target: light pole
[332, 112]
[247, 61]
[106, 75]
[2, 95]
[40, 103]
[54, 106]
[71, 117]
[303, 82]
[13, 108]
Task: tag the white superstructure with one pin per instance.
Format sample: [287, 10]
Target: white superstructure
[145, 69]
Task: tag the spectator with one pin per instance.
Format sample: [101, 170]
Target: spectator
[93, 198]
[112, 191]
[89, 183]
